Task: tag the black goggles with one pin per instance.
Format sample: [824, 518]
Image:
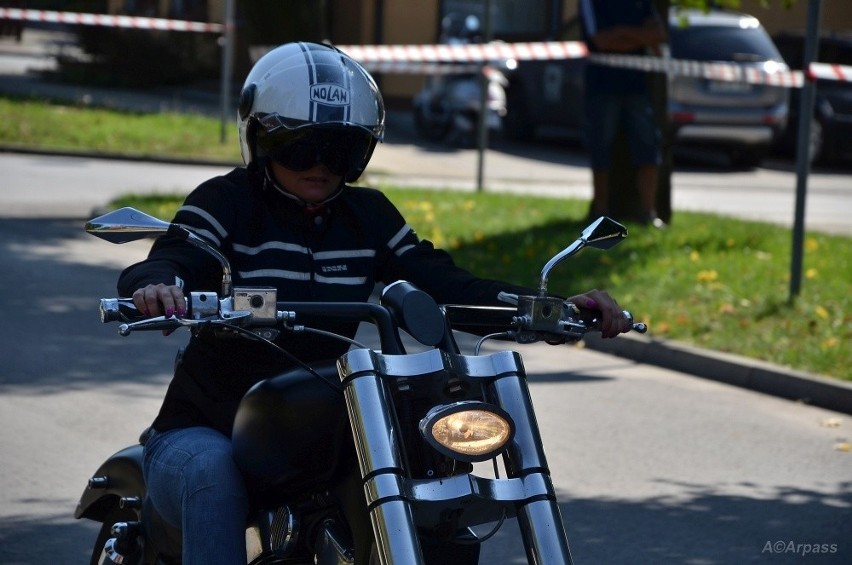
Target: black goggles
[341, 151]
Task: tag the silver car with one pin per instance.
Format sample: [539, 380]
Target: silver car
[741, 118]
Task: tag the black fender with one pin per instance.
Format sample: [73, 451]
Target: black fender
[122, 474]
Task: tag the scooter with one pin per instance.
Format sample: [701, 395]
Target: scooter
[448, 107]
[402, 424]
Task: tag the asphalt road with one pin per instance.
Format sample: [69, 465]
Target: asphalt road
[652, 466]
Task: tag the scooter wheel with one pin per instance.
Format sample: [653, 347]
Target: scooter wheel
[434, 127]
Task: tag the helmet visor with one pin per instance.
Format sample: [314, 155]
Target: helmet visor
[340, 150]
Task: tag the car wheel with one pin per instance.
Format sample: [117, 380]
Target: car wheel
[516, 123]
[747, 158]
[816, 143]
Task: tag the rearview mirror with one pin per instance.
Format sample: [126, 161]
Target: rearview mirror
[126, 224]
[603, 233]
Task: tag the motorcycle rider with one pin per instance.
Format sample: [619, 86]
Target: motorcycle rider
[309, 119]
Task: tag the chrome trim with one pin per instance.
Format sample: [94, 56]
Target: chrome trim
[755, 135]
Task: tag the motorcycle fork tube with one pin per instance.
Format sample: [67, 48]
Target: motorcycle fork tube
[539, 517]
[380, 460]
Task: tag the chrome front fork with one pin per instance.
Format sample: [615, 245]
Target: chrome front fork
[528, 490]
[539, 517]
[377, 445]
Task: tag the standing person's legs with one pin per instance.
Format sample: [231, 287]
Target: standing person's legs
[195, 485]
[601, 115]
[646, 180]
[643, 137]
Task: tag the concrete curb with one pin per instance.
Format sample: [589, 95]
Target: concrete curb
[731, 369]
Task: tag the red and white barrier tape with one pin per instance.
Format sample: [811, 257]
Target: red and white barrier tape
[830, 72]
[468, 53]
[107, 20]
[428, 58]
[445, 59]
[728, 72]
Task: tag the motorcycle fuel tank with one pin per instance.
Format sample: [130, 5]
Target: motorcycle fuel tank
[291, 432]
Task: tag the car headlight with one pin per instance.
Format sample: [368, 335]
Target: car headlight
[468, 431]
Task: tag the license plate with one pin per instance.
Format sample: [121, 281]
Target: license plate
[727, 87]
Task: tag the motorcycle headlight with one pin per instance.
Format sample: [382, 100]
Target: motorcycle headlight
[468, 431]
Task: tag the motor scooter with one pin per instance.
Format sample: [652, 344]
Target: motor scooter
[448, 107]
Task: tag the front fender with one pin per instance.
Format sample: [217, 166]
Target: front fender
[123, 471]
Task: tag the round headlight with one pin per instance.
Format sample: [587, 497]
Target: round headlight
[467, 431]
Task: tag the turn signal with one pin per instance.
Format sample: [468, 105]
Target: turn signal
[468, 431]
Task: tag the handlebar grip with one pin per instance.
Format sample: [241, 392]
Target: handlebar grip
[119, 310]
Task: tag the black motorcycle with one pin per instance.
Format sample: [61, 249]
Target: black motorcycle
[399, 431]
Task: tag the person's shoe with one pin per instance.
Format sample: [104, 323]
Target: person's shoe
[652, 221]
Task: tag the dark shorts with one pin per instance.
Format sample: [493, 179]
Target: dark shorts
[604, 113]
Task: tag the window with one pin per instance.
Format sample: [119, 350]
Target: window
[511, 19]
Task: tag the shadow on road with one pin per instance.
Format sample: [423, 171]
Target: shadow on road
[59, 340]
[703, 525]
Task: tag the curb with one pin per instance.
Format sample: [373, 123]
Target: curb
[730, 369]
[119, 156]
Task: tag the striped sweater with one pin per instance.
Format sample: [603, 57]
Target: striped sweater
[337, 253]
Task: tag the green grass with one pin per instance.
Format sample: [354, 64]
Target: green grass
[715, 282]
[35, 123]
[712, 281]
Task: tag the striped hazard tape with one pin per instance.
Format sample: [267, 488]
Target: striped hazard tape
[465, 53]
[769, 74]
[48, 16]
[445, 59]
[830, 72]
[430, 59]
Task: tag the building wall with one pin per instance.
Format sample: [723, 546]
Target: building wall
[407, 22]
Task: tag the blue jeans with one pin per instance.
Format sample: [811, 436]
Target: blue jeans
[195, 485]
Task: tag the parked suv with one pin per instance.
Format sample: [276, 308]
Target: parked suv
[742, 119]
[831, 125]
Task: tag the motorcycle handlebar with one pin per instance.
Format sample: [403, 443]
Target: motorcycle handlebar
[533, 318]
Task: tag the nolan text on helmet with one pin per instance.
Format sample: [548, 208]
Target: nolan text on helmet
[331, 94]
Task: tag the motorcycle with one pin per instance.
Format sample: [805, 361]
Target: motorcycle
[449, 105]
[402, 425]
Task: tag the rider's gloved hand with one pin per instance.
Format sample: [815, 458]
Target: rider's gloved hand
[160, 300]
[599, 304]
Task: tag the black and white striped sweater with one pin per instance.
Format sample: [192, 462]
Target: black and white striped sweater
[338, 252]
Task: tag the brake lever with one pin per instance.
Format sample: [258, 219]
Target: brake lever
[508, 298]
[228, 319]
[158, 323]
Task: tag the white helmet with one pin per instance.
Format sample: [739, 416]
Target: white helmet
[309, 86]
